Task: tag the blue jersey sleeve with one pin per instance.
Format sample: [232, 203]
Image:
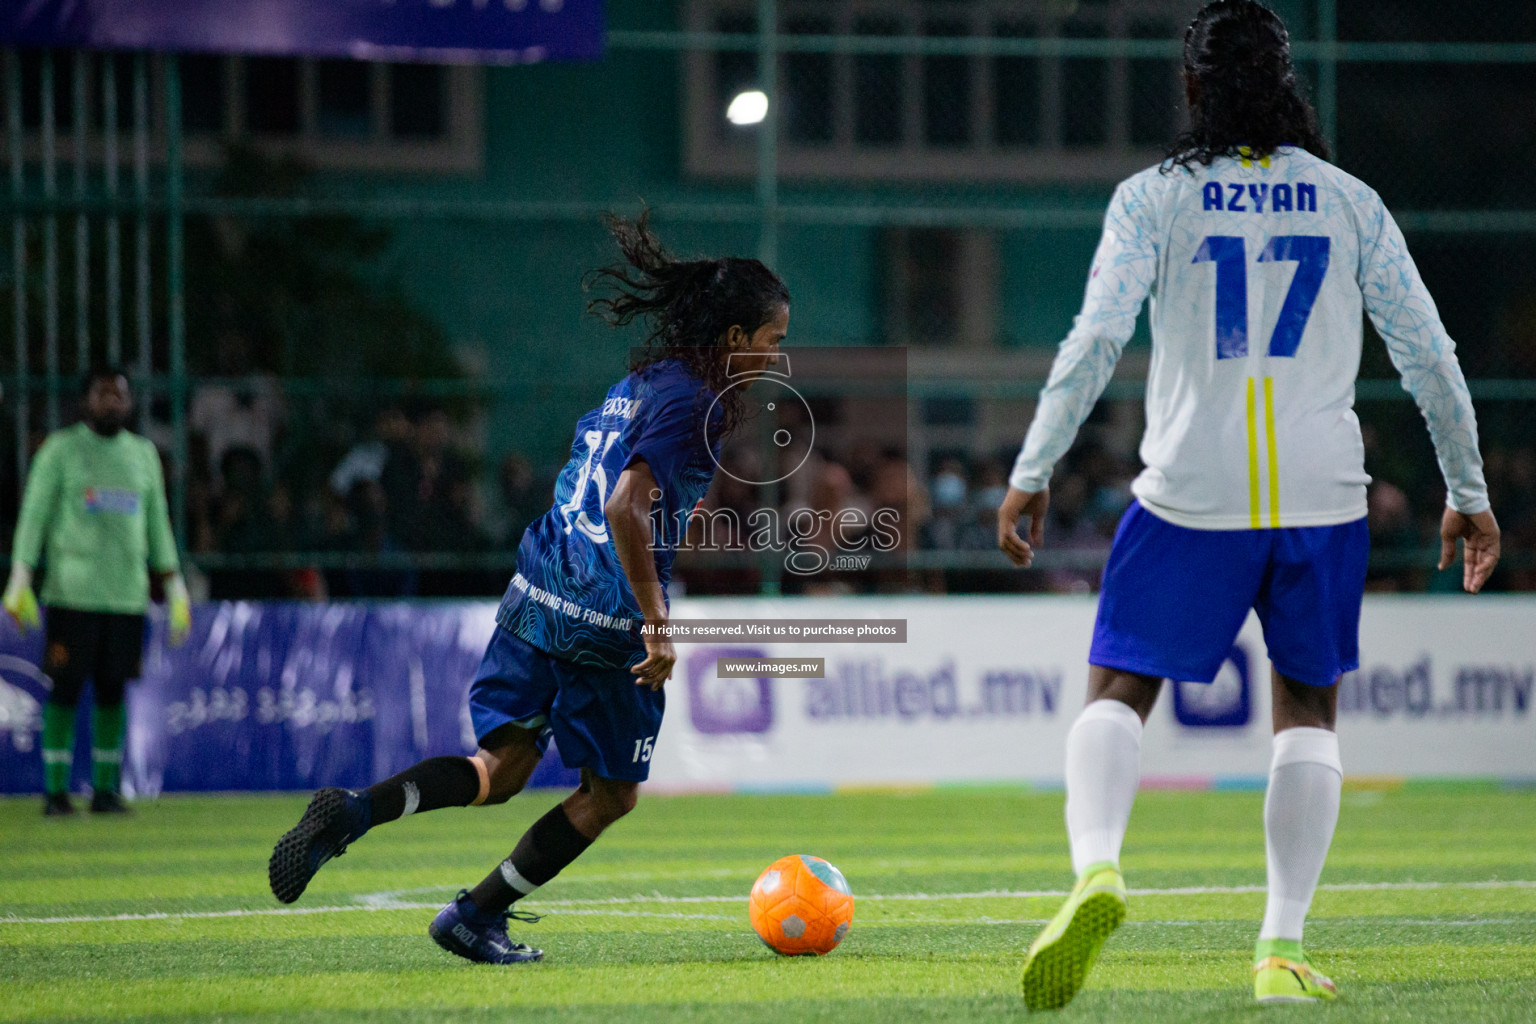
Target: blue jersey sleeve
[672, 436]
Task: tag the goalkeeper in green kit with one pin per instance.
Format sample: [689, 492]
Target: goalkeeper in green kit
[94, 516]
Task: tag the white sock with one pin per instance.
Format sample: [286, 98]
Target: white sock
[1301, 809]
[1103, 771]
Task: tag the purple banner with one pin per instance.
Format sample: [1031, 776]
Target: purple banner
[274, 696]
[456, 31]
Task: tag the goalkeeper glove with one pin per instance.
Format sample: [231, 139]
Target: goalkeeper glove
[180, 606]
[19, 600]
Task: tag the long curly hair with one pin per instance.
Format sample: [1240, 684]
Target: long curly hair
[1247, 100]
[686, 305]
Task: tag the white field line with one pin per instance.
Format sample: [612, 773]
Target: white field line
[196, 915]
[386, 901]
[1387, 919]
[642, 913]
[199, 915]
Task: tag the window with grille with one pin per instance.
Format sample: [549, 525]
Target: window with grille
[903, 116]
[343, 114]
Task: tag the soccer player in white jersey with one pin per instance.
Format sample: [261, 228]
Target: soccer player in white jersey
[1259, 257]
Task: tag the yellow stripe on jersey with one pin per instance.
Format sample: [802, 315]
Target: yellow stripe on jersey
[1253, 460]
[1247, 156]
[1274, 459]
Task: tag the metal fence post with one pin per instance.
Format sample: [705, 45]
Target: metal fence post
[50, 242]
[768, 204]
[141, 233]
[18, 266]
[114, 226]
[768, 131]
[1328, 72]
[80, 64]
[176, 308]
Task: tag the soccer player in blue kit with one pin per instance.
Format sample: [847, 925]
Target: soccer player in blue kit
[1260, 259]
[569, 658]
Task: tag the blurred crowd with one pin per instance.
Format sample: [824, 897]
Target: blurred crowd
[372, 501]
[954, 510]
[812, 504]
[829, 502]
[1090, 491]
[1405, 514]
[396, 501]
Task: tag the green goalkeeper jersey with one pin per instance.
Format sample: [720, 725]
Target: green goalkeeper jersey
[94, 513]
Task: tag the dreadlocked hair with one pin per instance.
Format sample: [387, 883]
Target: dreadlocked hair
[686, 305]
[1247, 100]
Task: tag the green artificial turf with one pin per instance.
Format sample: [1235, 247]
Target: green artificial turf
[1428, 913]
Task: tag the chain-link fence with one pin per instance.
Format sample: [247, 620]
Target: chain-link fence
[350, 293]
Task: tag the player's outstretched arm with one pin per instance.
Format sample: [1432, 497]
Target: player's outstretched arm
[1018, 503]
[1480, 534]
[628, 513]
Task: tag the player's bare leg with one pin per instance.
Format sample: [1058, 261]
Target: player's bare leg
[510, 754]
[1103, 770]
[1301, 808]
[599, 803]
[474, 925]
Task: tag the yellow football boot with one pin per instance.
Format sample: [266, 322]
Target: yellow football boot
[1290, 979]
[1061, 955]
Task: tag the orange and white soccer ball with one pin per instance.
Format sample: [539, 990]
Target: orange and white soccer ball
[801, 906]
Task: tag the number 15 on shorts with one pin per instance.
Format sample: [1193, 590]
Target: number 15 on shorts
[643, 750]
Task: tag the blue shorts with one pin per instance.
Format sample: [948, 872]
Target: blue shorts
[599, 717]
[1174, 599]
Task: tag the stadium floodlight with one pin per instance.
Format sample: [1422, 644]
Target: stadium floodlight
[748, 107]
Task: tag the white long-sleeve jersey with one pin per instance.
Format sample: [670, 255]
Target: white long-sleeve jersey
[1258, 272]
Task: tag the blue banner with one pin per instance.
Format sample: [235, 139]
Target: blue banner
[274, 696]
[459, 31]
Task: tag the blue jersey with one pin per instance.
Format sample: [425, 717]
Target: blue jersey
[570, 597]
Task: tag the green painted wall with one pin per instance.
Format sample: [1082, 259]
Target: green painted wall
[509, 294]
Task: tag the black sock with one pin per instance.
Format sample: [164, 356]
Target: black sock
[545, 849]
[433, 783]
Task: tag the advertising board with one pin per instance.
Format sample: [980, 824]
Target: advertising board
[274, 696]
